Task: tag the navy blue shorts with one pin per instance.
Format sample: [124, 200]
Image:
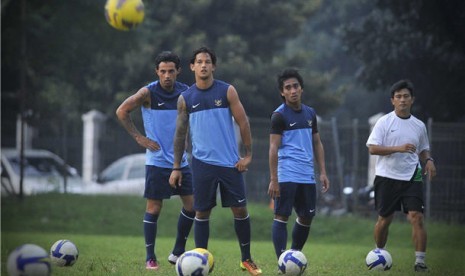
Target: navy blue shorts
[206, 180]
[301, 197]
[397, 195]
[157, 184]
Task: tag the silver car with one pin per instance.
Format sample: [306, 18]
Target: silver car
[44, 172]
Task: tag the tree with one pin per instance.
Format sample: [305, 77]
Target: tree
[421, 40]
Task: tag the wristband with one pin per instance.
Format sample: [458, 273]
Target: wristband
[177, 169]
[429, 159]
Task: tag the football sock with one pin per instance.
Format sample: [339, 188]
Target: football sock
[201, 232]
[242, 228]
[185, 221]
[299, 235]
[150, 232]
[279, 236]
[420, 257]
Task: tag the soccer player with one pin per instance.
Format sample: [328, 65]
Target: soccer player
[158, 102]
[400, 142]
[207, 110]
[295, 145]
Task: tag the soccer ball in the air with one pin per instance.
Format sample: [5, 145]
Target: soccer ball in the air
[28, 259]
[378, 259]
[192, 263]
[211, 260]
[292, 262]
[124, 15]
[64, 253]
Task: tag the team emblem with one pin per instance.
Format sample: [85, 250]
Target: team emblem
[218, 102]
[310, 123]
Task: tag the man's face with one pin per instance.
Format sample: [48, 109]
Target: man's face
[292, 91]
[167, 74]
[402, 100]
[203, 66]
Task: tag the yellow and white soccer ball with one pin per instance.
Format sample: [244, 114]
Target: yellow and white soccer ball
[192, 263]
[205, 252]
[124, 15]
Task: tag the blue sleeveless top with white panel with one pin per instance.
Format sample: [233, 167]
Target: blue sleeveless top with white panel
[160, 124]
[295, 155]
[211, 125]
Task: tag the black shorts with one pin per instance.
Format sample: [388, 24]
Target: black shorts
[397, 195]
[157, 184]
[301, 197]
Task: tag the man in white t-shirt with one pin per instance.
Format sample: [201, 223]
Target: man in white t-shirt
[400, 142]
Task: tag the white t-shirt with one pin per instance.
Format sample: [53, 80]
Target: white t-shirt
[391, 130]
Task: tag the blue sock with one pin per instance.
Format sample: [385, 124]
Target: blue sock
[150, 232]
[242, 228]
[201, 232]
[299, 235]
[279, 236]
[185, 221]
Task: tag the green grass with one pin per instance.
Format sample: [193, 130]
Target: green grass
[108, 233]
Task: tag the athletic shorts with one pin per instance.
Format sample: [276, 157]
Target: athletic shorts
[397, 195]
[301, 197]
[207, 178]
[157, 184]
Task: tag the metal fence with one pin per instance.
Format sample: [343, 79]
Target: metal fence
[346, 163]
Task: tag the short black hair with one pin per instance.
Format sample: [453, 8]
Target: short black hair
[288, 74]
[167, 56]
[401, 85]
[205, 50]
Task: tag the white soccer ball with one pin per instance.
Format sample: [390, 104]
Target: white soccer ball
[28, 259]
[192, 263]
[378, 259]
[292, 262]
[64, 253]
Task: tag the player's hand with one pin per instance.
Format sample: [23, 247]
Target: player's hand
[273, 189]
[408, 148]
[324, 183]
[175, 179]
[430, 170]
[243, 163]
[147, 143]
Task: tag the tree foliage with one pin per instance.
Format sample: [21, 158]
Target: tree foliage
[421, 40]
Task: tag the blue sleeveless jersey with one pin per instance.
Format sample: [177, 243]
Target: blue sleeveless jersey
[160, 124]
[295, 155]
[211, 125]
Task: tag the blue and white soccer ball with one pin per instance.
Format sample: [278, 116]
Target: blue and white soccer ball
[64, 253]
[28, 259]
[192, 263]
[292, 262]
[378, 259]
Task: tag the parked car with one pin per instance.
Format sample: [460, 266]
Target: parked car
[44, 172]
[124, 176]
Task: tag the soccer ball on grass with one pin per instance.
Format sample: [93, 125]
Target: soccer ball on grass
[64, 253]
[292, 262]
[28, 259]
[192, 263]
[124, 15]
[205, 252]
[378, 259]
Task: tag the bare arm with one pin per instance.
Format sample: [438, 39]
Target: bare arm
[240, 117]
[179, 144]
[319, 153]
[385, 150]
[430, 167]
[123, 112]
[275, 143]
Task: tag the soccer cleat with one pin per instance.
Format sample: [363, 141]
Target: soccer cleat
[172, 258]
[419, 267]
[152, 264]
[251, 267]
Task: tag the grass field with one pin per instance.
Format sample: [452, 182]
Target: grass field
[108, 233]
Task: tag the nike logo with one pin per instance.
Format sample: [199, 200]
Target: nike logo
[244, 244]
[195, 105]
[292, 124]
[312, 210]
[392, 130]
[241, 200]
[160, 104]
